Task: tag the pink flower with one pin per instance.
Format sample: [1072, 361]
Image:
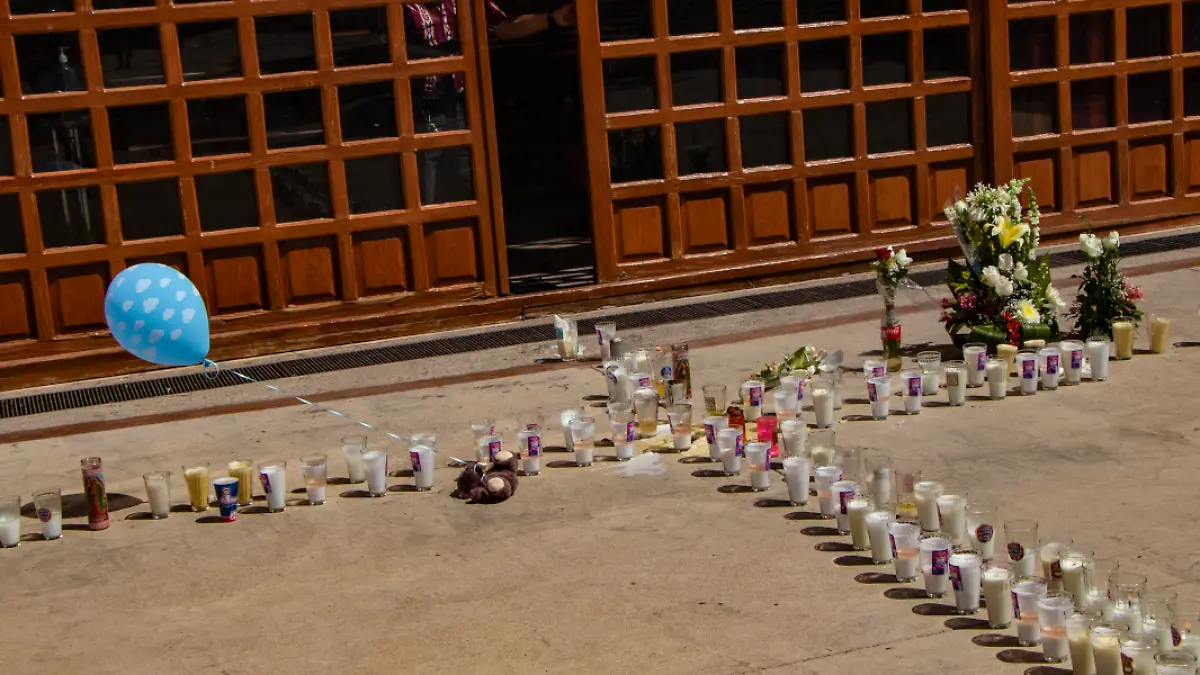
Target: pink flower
[968, 301]
[946, 317]
[1131, 292]
[945, 303]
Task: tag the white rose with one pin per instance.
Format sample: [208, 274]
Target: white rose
[1055, 297]
[1019, 272]
[1004, 288]
[1112, 240]
[902, 258]
[1005, 262]
[1091, 245]
[992, 276]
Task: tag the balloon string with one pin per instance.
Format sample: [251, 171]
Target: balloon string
[211, 368]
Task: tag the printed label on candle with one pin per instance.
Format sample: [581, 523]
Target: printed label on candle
[879, 371]
[956, 578]
[710, 404]
[951, 378]
[844, 500]
[1056, 570]
[940, 558]
[981, 364]
[1029, 369]
[756, 394]
[1175, 637]
[1016, 551]
[44, 515]
[984, 533]
[415, 458]
[1052, 363]
[892, 538]
[667, 373]
[800, 390]
[1016, 606]
[600, 337]
[1126, 664]
[644, 381]
[739, 450]
[266, 481]
[493, 449]
[630, 432]
[871, 393]
[535, 446]
[1076, 359]
[914, 386]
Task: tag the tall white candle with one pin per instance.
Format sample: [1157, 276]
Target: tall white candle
[927, 493]
[953, 510]
[823, 400]
[158, 492]
[859, 507]
[935, 565]
[956, 384]
[878, 523]
[795, 473]
[843, 492]
[1106, 649]
[10, 532]
[1074, 579]
[997, 378]
[997, 593]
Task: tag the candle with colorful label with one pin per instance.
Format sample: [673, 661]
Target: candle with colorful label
[906, 549]
[843, 492]
[1072, 361]
[1106, 648]
[48, 506]
[730, 442]
[935, 562]
[975, 357]
[94, 492]
[965, 571]
[825, 477]
[274, 481]
[421, 458]
[981, 528]
[759, 460]
[956, 382]
[1027, 371]
[879, 391]
[911, 381]
[752, 391]
[1051, 357]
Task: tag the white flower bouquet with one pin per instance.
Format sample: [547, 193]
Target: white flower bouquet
[1003, 293]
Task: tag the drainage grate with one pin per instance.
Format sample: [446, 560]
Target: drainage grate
[505, 337]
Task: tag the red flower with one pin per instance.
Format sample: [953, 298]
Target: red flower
[1013, 327]
[1131, 292]
[945, 317]
[968, 301]
[882, 253]
[945, 303]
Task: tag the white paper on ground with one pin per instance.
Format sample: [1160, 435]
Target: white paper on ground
[647, 464]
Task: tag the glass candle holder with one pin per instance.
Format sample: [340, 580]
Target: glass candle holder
[997, 594]
[583, 434]
[273, 475]
[197, 478]
[680, 418]
[975, 358]
[645, 403]
[10, 521]
[315, 469]
[48, 505]
[158, 493]
[353, 448]
[931, 366]
[714, 399]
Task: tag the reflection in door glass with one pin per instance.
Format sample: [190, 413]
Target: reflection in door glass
[1034, 110]
[696, 77]
[49, 62]
[947, 53]
[821, 11]
[209, 50]
[700, 147]
[1092, 103]
[634, 154]
[141, 133]
[373, 184]
[889, 126]
[824, 65]
[227, 201]
[360, 36]
[293, 118]
[759, 71]
[948, 119]
[692, 17]
[1149, 97]
[629, 84]
[71, 217]
[367, 110]
[625, 20]
[61, 141]
[749, 14]
[149, 209]
[1147, 31]
[218, 126]
[285, 43]
[1091, 37]
[12, 234]
[876, 8]
[437, 103]
[6, 156]
[300, 192]
[18, 7]
[885, 59]
[765, 140]
[130, 57]
[828, 133]
[445, 175]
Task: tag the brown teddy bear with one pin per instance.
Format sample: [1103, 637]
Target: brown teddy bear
[495, 485]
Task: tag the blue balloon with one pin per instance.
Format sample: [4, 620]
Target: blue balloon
[157, 315]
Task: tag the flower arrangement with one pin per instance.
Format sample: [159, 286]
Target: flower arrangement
[891, 267]
[1104, 292]
[805, 361]
[891, 272]
[1003, 292]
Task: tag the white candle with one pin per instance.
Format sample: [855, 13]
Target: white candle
[1074, 580]
[376, 466]
[1026, 594]
[52, 528]
[1098, 353]
[1072, 360]
[935, 563]
[843, 492]
[1159, 630]
[1139, 653]
[912, 391]
[823, 406]
[953, 510]
[1106, 650]
[975, 356]
[753, 391]
[1051, 564]
[1052, 367]
[878, 523]
[1130, 615]
[1055, 647]
[624, 433]
[1080, 648]
[981, 533]
[859, 507]
[421, 458]
[10, 532]
[956, 384]
[965, 575]
[1099, 602]
[1160, 328]
[795, 473]
[158, 492]
[930, 383]
[997, 592]
[1027, 371]
[997, 378]
[927, 493]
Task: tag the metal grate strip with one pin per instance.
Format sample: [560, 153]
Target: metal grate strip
[21, 406]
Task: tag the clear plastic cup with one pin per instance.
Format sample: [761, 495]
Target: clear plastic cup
[822, 445]
[965, 576]
[315, 470]
[926, 494]
[1051, 553]
[158, 493]
[1027, 591]
[48, 505]
[879, 480]
[907, 474]
[843, 492]
[758, 457]
[935, 563]
[1053, 609]
[1126, 589]
[1156, 616]
[566, 417]
[906, 550]
[795, 473]
[680, 418]
[975, 358]
[1099, 571]
[730, 443]
[605, 332]
[793, 433]
[583, 438]
[785, 402]
[645, 403]
[1185, 621]
[997, 594]
[1137, 654]
[825, 477]
[1074, 564]
[956, 382]
[1020, 541]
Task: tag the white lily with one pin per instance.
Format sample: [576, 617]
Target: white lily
[1019, 272]
[1112, 240]
[992, 276]
[1055, 297]
[1005, 262]
[1091, 245]
[1004, 287]
[902, 258]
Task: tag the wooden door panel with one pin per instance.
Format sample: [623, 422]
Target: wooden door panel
[453, 256]
[769, 212]
[235, 280]
[16, 307]
[705, 220]
[77, 297]
[309, 270]
[1150, 169]
[641, 229]
[381, 260]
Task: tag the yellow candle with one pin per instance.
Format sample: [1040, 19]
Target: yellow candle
[1123, 338]
[1008, 353]
[242, 469]
[1160, 328]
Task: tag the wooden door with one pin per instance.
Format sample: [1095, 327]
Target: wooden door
[728, 133]
[1097, 102]
[281, 153]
